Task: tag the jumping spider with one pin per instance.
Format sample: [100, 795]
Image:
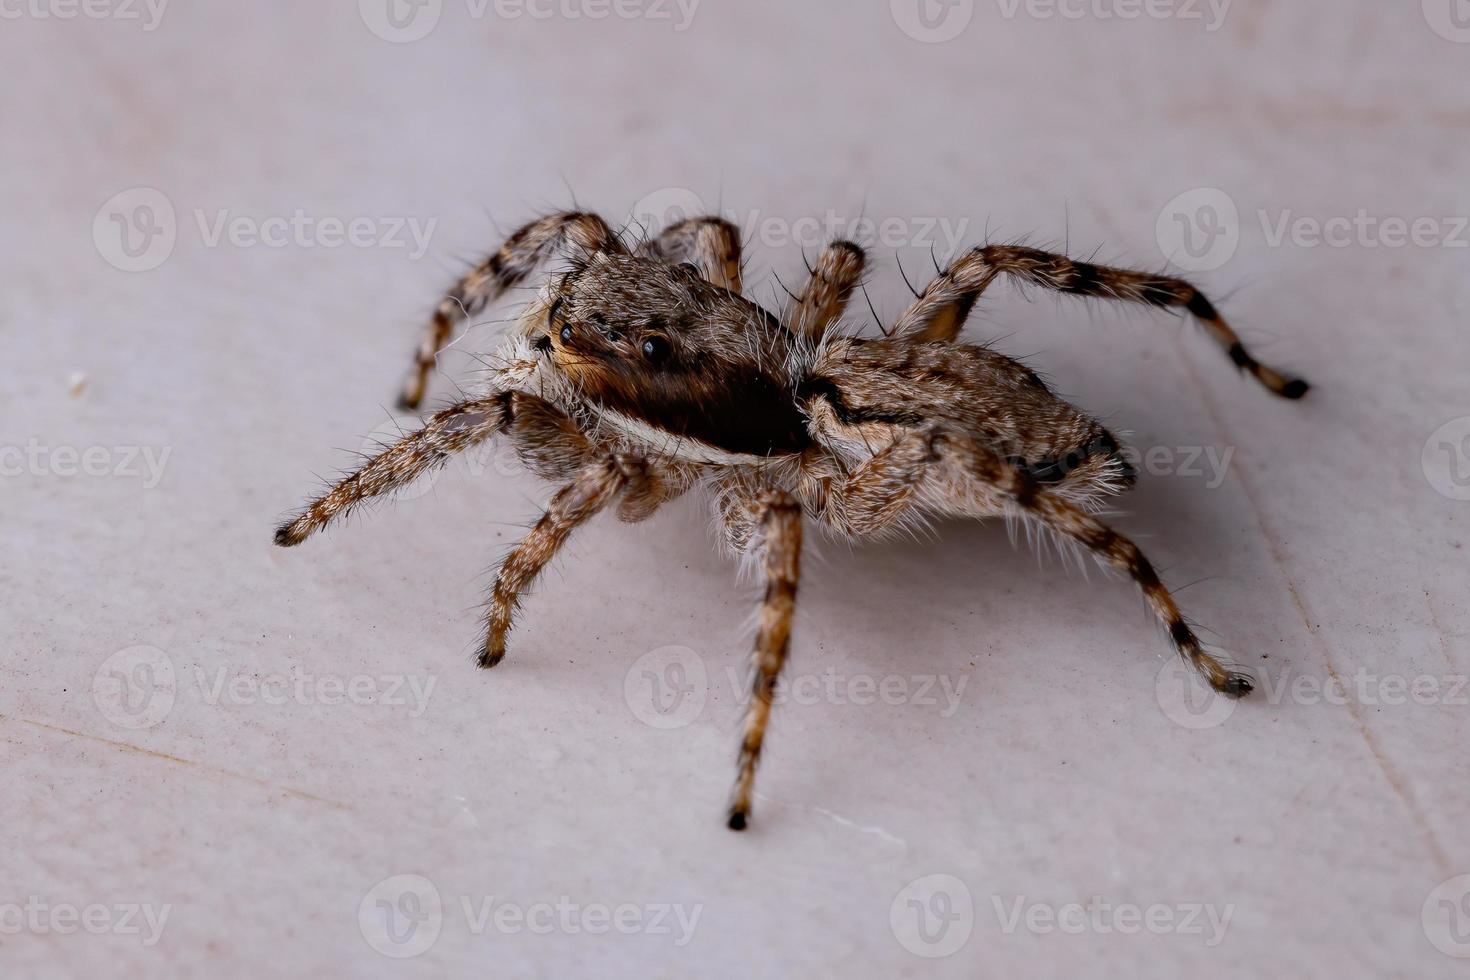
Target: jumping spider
[641, 372]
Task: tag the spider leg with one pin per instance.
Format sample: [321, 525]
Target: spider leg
[877, 492]
[837, 273]
[709, 243]
[939, 312]
[594, 486]
[768, 522]
[509, 265]
[546, 438]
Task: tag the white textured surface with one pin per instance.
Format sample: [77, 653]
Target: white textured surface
[1058, 776]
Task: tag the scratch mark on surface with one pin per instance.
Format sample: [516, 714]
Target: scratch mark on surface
[179, 760]
[1396, 781]
[837, 818]
[1444, 644]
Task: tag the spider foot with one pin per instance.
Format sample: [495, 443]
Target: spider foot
[291, 533]
[1294, 389]
[1233, 684]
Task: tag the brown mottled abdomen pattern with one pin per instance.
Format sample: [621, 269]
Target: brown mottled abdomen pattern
[873, 385]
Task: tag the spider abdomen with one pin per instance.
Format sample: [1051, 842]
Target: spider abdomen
[867, 389]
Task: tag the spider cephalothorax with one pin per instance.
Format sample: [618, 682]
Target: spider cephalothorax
[640, 373]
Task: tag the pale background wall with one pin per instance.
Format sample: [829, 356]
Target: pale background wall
[1326, 536]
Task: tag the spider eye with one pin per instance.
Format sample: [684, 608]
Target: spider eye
[656, 349]
[566, 334]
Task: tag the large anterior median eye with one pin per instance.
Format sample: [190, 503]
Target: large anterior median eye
[566, 334]
[656, 349]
